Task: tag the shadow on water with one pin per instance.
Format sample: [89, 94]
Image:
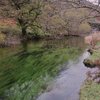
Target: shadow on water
[27, 69]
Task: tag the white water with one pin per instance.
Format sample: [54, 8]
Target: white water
[67, 84]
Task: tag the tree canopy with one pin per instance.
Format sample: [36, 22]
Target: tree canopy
[25, 12]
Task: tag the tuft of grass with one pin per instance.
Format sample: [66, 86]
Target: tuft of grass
[95, 56]
[90, 91]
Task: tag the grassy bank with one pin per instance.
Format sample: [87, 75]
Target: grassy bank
[94, 58]
[91, 87]
[90, 91]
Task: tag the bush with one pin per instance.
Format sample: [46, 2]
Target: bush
[10, 30]
[84, 28]
[2, 37]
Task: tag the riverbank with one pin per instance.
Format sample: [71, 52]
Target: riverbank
[10, 33]
[12, 40]
[90, 90]
[68, 82]
[26, 70]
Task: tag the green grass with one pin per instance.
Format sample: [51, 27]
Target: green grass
[25, 72]
[34, 66]
[95, 56]
[90, 91]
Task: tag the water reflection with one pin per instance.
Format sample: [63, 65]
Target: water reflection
[26, 70]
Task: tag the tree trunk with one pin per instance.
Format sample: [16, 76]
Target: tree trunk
[23, 27]
[24, 33]
[24, 39]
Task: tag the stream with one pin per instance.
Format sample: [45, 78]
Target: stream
[43, 70]
[67, 84]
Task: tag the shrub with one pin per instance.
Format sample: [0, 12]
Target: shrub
[10, 30]
[84, 28]
[2, 37]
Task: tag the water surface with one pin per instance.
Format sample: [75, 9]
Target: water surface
[27, 70]
[68, 83]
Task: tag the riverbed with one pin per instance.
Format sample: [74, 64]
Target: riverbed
[43, 70]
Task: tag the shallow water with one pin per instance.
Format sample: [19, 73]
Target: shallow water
[68, 83]
[27, 70]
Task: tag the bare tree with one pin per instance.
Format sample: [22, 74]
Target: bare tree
[94, 8]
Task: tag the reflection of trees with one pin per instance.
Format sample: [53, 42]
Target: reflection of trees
[24, 45]
[71, 41]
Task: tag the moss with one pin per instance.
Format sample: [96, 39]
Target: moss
[89, 63]
[95, 56]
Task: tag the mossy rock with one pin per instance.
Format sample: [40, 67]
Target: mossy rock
[89, 63]
[94, 59]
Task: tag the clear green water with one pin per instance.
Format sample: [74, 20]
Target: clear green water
[27, 69]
